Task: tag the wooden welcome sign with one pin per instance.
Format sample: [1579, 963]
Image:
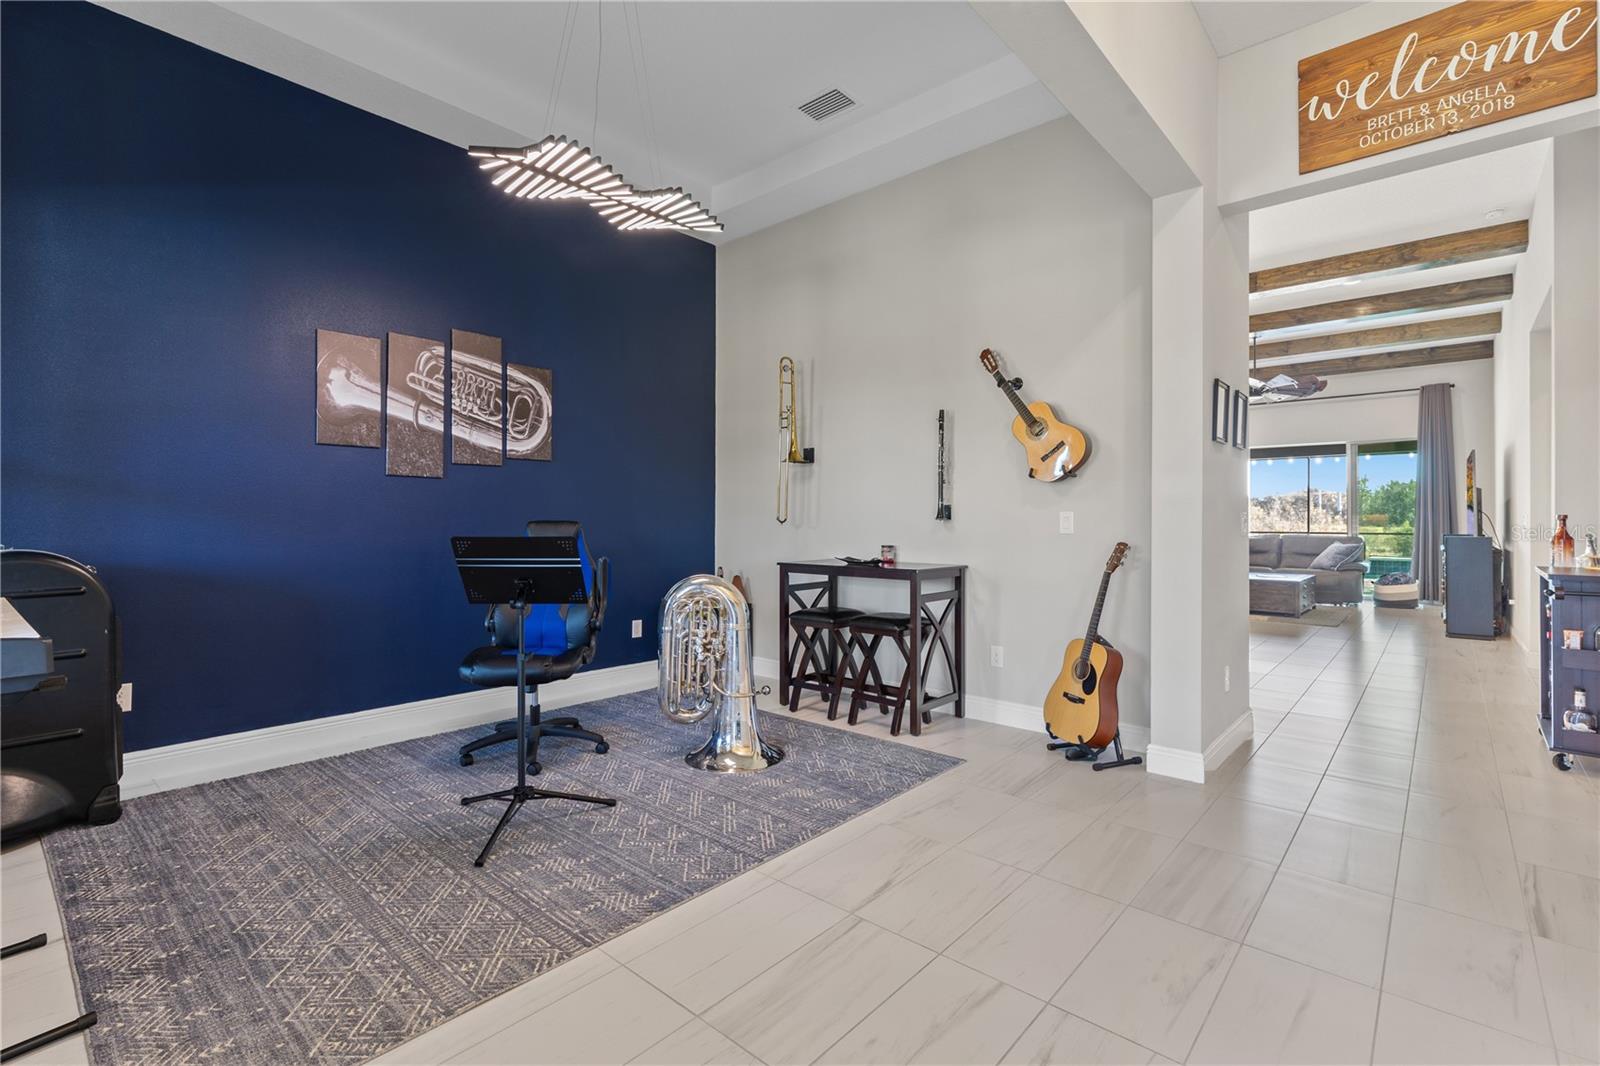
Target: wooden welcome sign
[1468, 65]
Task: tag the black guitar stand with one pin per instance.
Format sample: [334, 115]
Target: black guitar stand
[1077, 751]
[538, 579]
[49, 1036]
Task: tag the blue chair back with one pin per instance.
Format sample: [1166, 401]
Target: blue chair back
[553, 628]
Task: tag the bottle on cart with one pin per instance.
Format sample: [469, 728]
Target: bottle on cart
[1562, 547]
[1579, 718]
[1590, 559]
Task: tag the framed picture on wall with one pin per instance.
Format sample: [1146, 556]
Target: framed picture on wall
[1221, 401]
[349, 389]
[415, 407]
[530, 411]
[1241, 419]
[477, 410]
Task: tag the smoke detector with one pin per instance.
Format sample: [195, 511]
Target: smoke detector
[826, 105]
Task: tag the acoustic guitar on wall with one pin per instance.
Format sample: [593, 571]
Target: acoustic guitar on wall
[1055, 449]
[1080, 711]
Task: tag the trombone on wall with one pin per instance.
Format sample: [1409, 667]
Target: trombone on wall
[789, 450]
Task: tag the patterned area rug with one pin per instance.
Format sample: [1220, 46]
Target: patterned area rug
[1317, 616]
[330, 911]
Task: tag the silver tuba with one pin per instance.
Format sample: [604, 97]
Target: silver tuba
[705, 670]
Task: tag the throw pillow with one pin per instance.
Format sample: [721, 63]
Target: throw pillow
[1335, 555]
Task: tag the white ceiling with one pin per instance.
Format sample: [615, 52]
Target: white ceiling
[930, 79]
[1234, 25]
[1419, 203]
[1424, 203]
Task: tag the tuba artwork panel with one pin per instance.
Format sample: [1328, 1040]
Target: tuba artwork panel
[705, 672]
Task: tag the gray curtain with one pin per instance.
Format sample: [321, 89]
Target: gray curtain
[1436, 486]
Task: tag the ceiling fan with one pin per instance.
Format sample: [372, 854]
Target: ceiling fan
[1281, 387]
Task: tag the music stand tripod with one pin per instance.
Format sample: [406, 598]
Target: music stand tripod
[520, 571]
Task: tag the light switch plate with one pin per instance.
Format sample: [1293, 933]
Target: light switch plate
[125, 697]
[1066, 521]
[997, 655]
[638, 627]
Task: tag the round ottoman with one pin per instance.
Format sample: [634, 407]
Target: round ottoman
[1402, 596]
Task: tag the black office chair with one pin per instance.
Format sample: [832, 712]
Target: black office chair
[560, 641]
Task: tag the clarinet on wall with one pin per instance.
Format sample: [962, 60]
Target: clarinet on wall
[943, 513]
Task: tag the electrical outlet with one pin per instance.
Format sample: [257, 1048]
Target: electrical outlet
[997, 655]
[125, 697]
[1227, 679]
[1066, 521]
[638, 627]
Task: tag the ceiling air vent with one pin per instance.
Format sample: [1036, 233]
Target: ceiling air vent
[827, 105]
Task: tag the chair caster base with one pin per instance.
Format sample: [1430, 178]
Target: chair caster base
[1561, 760]
[601, 748]
[534, 768]
[466, 760]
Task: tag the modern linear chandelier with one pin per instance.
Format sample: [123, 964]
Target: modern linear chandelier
[559, 168]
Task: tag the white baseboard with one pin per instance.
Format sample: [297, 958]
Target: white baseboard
[1181, 763]
[1025, 716]
[1030, 717]
[214, 758]
[766, 670]
[1192, 765]
[1239, 733]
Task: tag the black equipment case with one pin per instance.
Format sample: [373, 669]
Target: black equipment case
[61, 745]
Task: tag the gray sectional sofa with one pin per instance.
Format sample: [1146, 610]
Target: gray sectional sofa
[1292, 553]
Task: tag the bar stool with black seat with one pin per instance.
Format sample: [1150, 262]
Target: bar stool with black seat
[560, 641]
[819, 635]
[867, 634]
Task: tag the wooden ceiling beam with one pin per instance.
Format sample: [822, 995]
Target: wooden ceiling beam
[1436, 329]
[1411, 301]
[1508, 238]
[1358, 364]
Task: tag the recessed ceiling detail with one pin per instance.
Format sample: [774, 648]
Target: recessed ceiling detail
[722, 86]
[826, 105]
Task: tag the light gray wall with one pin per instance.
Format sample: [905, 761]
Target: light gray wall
[1037, 246]
[1199, 636]
[1547, 375]
[1522, 412]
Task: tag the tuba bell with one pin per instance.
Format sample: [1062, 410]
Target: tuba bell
[705, 671]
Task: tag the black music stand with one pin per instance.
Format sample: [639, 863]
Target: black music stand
[518, 571]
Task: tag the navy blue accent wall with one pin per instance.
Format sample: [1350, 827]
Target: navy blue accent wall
[177, 227]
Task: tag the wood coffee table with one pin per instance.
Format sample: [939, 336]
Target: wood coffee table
[1290, 595]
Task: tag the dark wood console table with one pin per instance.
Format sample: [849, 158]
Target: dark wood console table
[815, 583]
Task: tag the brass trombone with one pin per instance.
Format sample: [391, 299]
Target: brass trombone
[788, 433]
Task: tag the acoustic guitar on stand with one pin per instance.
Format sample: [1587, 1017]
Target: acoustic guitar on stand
[1055, 449]
[1080, 711]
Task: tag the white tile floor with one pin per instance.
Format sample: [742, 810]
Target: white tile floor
[1395, 873]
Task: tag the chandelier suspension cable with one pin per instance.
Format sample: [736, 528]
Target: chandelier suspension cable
[560, 168]
[562, 52]
[641, 86]
[599, 54]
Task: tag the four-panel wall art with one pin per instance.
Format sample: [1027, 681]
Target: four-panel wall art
[497, 410]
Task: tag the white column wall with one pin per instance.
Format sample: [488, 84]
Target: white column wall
[1575, 332]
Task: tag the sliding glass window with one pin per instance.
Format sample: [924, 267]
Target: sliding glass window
[1386, 486]
[1300, 490]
